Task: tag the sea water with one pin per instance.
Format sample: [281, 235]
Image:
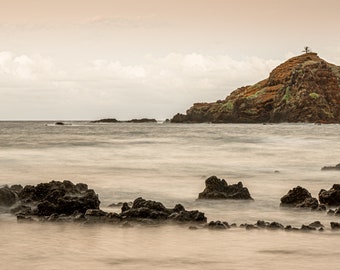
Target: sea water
[169, 163]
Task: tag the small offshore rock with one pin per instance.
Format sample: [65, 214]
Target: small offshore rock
[330, 212]
[309, 203]
[307, 228]
[316, 224]
[216, 188]
[275, 226]
[7, 197]
[125, 207]
[330, 197]
[216, 225]
[261, 224]
[291, 228]
[152, 210]
[335, 225]
[295, 197]
[331, 168]
[251, 227]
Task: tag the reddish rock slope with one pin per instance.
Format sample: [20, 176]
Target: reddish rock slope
[305, 88]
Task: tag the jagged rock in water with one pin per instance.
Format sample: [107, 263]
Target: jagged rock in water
[58, 197]
[307, 228]
[8, 196]
[305, 88]
[216, 188]
[335, 225]
[147, 209]
[114, 120]
[331, 168]
[296, 196]
[218, 225]
[316, 224]
[309, 203]
[330, 197]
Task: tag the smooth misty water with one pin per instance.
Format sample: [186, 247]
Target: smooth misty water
[169, 163]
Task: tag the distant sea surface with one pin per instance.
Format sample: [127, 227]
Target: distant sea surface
[169, 163]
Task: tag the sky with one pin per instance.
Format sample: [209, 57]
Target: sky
[92, 59]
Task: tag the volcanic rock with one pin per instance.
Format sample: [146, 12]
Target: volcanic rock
[147, 209]
[335, 225]
[57, 197]
[216, 189]
[114, 120]
[305, 88]
[8, 196]
[295, 197]
[330, 197]
[309, 203]
[331, 168]
[218, 225]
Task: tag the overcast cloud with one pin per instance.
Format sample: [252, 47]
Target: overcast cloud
[151, 88]
[146, 58]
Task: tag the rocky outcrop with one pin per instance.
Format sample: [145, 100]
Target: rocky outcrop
[330, 197]
[216, 189]
[331, 168]
[114, 120]
[147, 209]
[305, 88]
[297, 196]
[8, 196]
[55, 197]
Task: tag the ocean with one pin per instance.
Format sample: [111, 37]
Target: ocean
[169, 163]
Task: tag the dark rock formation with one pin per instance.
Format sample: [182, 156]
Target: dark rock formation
[309, 203]
[114, 120]
[330, 197]
[296, 196]
[142, 120]
[335, 225]
[307, 228]
[106, 120]
[316, 224]
[218, 225]
[57, 197]
[8, 196]
[216, 188]
[331, 168]
[303, 89]
[59, 123]
[147, 209]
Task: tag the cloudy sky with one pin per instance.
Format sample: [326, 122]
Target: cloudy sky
[90, 59]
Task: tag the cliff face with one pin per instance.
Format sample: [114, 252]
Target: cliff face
[303, 89]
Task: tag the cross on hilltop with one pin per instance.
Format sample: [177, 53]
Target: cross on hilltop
[306, 49]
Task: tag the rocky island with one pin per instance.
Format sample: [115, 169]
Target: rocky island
[114, 120]
[305, 88]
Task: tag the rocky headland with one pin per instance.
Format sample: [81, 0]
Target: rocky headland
[305, 88]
